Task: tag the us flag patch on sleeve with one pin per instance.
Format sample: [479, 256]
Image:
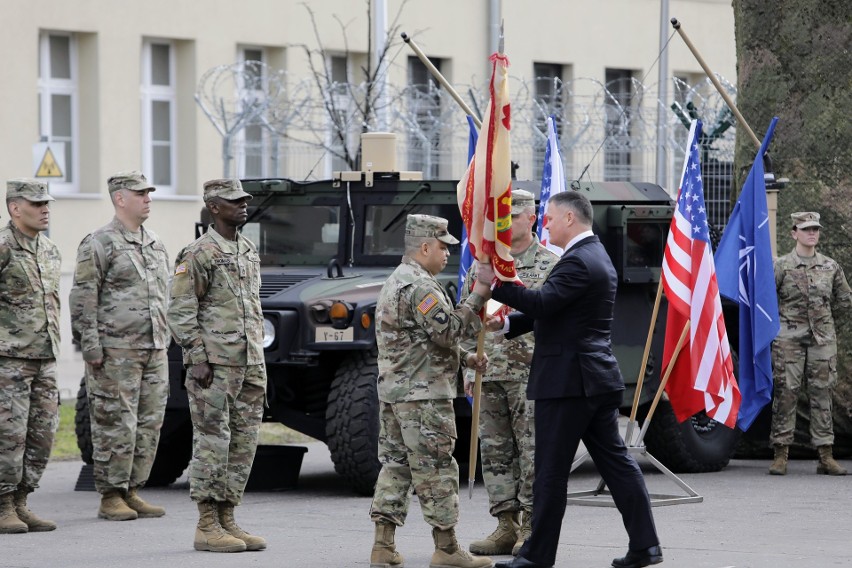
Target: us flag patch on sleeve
[180, 269]
[427, 304]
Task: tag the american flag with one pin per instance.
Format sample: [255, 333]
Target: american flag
[702, 377]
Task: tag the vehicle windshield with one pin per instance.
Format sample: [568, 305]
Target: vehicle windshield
[307, 230]
[289, 233]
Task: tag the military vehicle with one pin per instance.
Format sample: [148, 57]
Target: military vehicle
[327, 247]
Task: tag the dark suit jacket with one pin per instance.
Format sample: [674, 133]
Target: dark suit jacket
[571, 315]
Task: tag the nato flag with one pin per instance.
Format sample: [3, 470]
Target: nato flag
[745, 275]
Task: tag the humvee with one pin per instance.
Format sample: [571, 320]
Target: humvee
[326, 248]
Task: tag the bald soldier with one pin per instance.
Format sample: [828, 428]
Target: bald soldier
[29, 345]
[812, 289]
[118, 313]
[506, 425]
[215, 316]
[418, 331]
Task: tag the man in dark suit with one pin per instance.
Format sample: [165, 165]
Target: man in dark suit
[577, 387]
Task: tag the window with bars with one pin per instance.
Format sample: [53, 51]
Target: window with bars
[617, 159]
[159, 106]
[57, 97]
[425, 106]
[253, 154]
[549, 101]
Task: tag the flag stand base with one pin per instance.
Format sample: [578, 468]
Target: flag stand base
[602, 497]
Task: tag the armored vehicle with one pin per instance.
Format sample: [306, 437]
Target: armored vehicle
[326, 249]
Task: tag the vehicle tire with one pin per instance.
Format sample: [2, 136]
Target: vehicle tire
[352, 421]
[173, 451]
[82, 424]
[697, 445]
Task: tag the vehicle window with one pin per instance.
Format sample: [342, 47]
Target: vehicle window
[294, 233]
[645, 244]
[381, 237]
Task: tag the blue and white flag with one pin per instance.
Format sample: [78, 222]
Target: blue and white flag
[466, 257]
[552, 181]
[745, 274]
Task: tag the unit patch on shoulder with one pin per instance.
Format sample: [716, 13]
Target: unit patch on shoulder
[180, 268]
[429, 302]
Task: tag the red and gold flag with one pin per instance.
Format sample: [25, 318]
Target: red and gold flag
[485, 190]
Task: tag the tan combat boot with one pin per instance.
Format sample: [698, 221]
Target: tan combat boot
[827, 464]
[384, 554]
[143, 510]
[114, 508]
[524, 532]
[34, 522]
[209, 534]
[226, 519]
[502, 539]
[9, 521]
[779, 464]
[448, 553]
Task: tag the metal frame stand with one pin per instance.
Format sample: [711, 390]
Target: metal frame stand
[601, 497]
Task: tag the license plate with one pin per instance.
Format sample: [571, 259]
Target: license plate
[331, 335]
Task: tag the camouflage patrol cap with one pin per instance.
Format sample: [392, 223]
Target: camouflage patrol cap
[132, 180]
[805, 219]
[429, 226]
[28, 188]
[521, 199]
[224, 188]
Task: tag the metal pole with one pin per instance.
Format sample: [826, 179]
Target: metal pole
[663, 93]
[440, 78]
[380, 64]
[715, 81]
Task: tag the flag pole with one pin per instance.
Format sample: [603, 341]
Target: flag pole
[640, 380]
[715, 80]
[440, 78]
[474, 421]
[664, 381]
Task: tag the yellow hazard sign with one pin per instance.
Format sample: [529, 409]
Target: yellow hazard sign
[49, 161]
[48, 166]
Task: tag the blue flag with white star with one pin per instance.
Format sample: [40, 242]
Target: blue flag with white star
[745, 274]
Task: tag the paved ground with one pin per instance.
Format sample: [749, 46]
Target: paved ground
[747, 520]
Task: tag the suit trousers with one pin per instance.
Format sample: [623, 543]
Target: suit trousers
[560, 424]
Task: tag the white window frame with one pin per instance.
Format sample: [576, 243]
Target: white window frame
[47, 87]
[159, 93]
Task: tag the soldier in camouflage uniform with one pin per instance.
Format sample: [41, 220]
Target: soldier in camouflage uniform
[811, 290]
[118, 313]
[506, 426]
[29, 345]
[418, 333]
[215, 316]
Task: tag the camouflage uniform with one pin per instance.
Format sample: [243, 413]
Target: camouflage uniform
[506, 425]
[418, 333]
[215, 315]
[810, 292]
[118, 313]
[29, 345]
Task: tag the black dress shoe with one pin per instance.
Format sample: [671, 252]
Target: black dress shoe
[520, 562]
[639, 558]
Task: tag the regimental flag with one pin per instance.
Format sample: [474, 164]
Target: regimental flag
[746, 275]
[702, 376]
[466, 256]
[552, 181]
[485, 190]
